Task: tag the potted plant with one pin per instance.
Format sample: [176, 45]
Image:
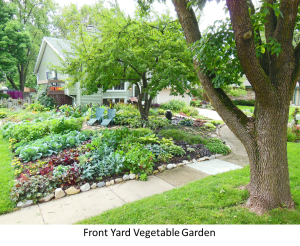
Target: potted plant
[204, 103]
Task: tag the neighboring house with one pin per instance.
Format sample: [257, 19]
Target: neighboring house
[50, 51]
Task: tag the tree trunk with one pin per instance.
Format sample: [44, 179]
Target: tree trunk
[22, 76]
[12, 82]
[265, 135]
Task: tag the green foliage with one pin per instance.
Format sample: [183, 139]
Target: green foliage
[209, 126]
[46, 101]
[4, 96]
[183, 136]
[216, 122]
[186, 122]
[244, 102]
[174, 150]
[236, 92]
[153, 112]
[217, 53]
[216, 146]
[127, 52]
[3, 115]
[36, 107]
[161, 111]
[190, 111]
[144, 177]
[34, 188]
[175, 105]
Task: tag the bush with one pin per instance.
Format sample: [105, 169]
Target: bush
[4, 96]
[216, 122]
[175, 105]
[293, 134]
[209, 126]
[217, 147]
[153, 112]
[244, 102]
[186, 122]
[3, 115]
[190, 111]
[36, 107]
[161, 111]
[183, 136]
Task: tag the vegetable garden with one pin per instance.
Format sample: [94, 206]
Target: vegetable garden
[54, 152]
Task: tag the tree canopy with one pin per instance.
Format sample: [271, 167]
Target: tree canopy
[148, 52]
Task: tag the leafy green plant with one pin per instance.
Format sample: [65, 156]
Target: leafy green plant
[174, 150]
[144, 177]
[217, 147]
[209, 126]
[186, 122]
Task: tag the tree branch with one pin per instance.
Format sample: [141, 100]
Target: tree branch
[271, 21]
[11, 81]
[244, 38]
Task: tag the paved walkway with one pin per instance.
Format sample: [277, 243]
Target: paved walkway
[73, 208]
[211, 114]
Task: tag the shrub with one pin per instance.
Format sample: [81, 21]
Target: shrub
[3, 95]
[155, 105]
[190, 111]
[216, 122]
[293, 134]
[161, 111]
[175, 105]
[186, 122]
[193, 103]
[153, 112]
[209, 126]
[3, 115]
[244, 102]
[36, 107]
[217, 147]
[183, 136]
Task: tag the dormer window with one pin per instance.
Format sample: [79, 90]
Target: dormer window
[51, 75]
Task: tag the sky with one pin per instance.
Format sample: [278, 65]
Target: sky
[212, 10]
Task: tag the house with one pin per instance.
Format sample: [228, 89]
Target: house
[51, 50]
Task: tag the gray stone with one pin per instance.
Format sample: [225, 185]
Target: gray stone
[47, 198]
[170, 166]
[218, 155]
[24, 205]
[85, 187]
[94, 186]
[126, 177]
[59, 193]
[155, 172]
[118, 180]
[132, 176]
[214, 135]
[206, 157]
[194, 161]
[112, 182]
[181, 164]
[212, 157]
[162, 168]
[101, 184]
[202, 159]
[185, 161]
[107, 183]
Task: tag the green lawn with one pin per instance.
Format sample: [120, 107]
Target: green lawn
[6, 177]
[212, 200]
[251, 108]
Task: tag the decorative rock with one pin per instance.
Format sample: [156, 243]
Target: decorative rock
[212, 157]
[107, 183]
[206, 158]
[228, 146]
[72, 190]
[46, 198]
[85, 187]
[94, 186]
[101, 184]
[59, 193]
[24, 205]
[202, 159]
[118, 180]
[214, 135]
[194, 161]
[181, 164]
[170, 166]
[155, 171]
[162, 168]
[126, 177]
[185, 161]
[112, 182]
[132, 176]
[218, 155]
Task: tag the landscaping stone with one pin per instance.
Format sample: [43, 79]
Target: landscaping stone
[202, 159]
[212, 157]
[228, 146]
[59, 193]
[101, 184]
[94, 186]
[72, 190]
[162, 168]
[181, 164]
[214, 135]
[218, 155]
[132, 176]
[171, 166]
[24, 205]
[107, 183]
[112, 182]
[206, 158]
[85, 187]
[185, 161]
[47, 198]
[118, 180]
[194, 161]
[155, 172]
[126, 177]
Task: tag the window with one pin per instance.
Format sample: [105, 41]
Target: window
[108, 101]
[51, 75]
[120, 87]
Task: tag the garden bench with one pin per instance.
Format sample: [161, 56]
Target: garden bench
[99, 116]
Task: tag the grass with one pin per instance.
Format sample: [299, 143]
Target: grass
[6, 177]
[251, 108]
[211, 200]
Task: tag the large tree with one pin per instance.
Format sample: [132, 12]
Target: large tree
[272, 67]
[14, 40]
[148, 52]
[36, 17]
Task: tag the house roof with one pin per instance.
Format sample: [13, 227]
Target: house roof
[58, 45]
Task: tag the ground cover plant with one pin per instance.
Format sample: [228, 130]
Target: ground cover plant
[215, 199]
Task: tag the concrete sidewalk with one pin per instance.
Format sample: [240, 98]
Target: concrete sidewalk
[211, 114]
[73, 208]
